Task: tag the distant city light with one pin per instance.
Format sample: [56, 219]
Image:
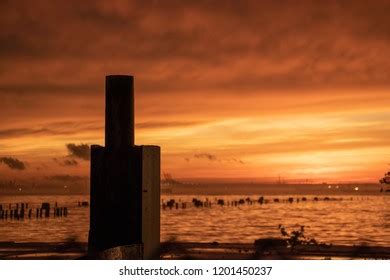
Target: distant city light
[329, 187]
[356, 188]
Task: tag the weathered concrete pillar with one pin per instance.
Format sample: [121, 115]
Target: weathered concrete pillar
[125, 180]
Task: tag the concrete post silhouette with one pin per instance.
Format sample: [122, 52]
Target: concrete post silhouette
[119, 112]
[125, 180]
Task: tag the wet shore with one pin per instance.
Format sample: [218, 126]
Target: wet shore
[263, 249]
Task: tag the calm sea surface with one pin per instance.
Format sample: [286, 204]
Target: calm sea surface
[352, 219]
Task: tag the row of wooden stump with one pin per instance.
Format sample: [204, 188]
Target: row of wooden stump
[20, 211]
[16, 213]
[173, 204]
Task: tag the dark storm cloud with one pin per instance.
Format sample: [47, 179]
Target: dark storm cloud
[80, 151]
[13, 163]
[228, 45]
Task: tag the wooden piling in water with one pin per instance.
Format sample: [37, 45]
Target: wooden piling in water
[22, 211]
[46, 207]
[261, 200]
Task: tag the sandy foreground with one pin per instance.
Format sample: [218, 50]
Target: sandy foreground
[263, 249]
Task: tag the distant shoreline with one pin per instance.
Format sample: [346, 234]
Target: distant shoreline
[241, 189]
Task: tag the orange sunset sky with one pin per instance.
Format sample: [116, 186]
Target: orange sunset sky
[228, 89]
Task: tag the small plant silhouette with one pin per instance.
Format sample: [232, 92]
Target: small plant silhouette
[296, 237]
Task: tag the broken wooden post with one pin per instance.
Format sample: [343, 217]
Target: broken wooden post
[125, 181]
[46, 206]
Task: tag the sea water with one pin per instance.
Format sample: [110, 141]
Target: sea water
[348, 219]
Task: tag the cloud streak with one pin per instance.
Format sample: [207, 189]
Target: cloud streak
[50, 129]
[66, 162]
[208, 156]
[66, 178]
[212, 157]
